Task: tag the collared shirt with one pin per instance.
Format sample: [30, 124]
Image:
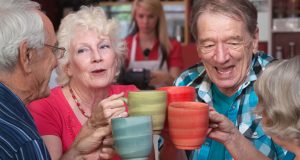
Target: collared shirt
[240, 112]
[289, 156]
[19, 138]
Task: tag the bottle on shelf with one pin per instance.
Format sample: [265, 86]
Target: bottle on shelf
[278, 52]
[292, 49]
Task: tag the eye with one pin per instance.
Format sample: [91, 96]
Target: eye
[141, 16]
[234, 45]
[104, 46]
[151, 16]
[82, 50]
[208, 46]
[54, 49]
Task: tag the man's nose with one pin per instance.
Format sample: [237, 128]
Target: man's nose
[221, 53]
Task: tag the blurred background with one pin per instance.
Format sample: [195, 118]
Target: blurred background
[278, 20]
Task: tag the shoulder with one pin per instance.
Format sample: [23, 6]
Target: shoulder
[129, 39]
[260, 61]
[175, 44]
[190, 74]
[264, 59]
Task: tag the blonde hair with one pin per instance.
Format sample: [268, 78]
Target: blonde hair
[278, 90]
[89, 18]
[156, 7]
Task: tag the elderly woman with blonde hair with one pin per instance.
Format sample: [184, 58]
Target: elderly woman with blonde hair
[278, 90]
[86, 73]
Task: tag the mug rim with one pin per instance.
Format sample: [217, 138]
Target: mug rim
[182, 104]
[146, 117]
[147, 91]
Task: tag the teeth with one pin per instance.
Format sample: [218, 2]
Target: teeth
[224, 71]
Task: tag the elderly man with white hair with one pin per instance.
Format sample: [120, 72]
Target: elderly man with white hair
[28, 54]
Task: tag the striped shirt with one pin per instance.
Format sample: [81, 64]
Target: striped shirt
[240, 112]
[19, 138]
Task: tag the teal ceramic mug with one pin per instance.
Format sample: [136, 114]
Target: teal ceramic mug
[152, 103]
[133, 137]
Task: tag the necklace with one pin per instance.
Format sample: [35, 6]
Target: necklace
[78, 104]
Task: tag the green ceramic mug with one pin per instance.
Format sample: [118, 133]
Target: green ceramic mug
[150, 102]
[133, 137]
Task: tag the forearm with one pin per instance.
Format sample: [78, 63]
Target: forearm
[241, 149]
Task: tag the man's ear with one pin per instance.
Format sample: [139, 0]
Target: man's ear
[25, 57]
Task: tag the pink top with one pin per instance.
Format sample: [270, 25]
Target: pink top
[54, 116]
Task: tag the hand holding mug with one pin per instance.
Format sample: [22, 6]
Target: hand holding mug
[114, 106]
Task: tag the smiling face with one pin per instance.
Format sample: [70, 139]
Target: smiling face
[146, 20]
[92, 60]
[225, 48]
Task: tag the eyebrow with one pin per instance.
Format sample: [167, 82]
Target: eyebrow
[200, 41]
[235, 38]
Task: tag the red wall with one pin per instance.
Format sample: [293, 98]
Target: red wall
[189, 55]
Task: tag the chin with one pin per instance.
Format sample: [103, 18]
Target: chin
[102, 83]
[228, 83]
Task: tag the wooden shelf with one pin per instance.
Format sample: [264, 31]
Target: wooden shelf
[287, 33]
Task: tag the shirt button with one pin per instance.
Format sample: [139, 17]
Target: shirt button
[255, 133]
[206, 143]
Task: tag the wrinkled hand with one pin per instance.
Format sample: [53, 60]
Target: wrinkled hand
[91, 140]
[220, 127]
[104, 152]
[113, 107]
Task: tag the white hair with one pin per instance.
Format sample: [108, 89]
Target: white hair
[19, 21]
[278, 90]
[89, 18]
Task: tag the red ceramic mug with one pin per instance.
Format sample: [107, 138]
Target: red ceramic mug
[179, 93]
[188, 124]
[175, 94]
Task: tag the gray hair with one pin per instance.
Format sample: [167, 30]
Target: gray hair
[278, 90]
[238, 9]
[19, 22]
[90, 18]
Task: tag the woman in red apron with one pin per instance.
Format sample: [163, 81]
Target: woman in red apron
[149, 45]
